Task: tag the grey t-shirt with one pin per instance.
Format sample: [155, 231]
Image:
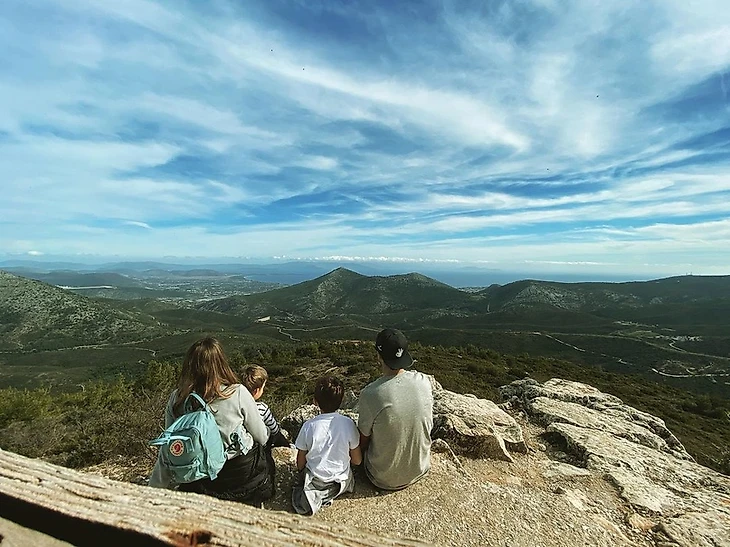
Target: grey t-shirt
[396, 412]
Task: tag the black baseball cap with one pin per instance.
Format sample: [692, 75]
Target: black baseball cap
[392, 347]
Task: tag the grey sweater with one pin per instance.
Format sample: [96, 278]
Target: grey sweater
[238, 409]
[236, 414]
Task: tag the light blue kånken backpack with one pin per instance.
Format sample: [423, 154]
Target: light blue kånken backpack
[191, 448]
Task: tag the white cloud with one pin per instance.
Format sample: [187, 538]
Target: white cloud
[493, 134]
[138, 224]
[320, 163]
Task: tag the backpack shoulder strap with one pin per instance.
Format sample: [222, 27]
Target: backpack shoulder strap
[200, 400]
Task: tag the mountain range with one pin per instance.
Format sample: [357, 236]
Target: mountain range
[344, 292]
[673, 329]
[677, 301]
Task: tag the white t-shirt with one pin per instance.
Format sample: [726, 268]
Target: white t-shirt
[328, 439]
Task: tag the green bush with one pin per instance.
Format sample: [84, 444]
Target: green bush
[23, 405]
[106, 420]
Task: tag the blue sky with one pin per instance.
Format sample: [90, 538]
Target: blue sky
[523, 135]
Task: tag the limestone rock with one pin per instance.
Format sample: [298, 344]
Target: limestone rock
[293, 421]
[572, 402]
[560, 470]
[440, 446]
[477, 441]
[635, 452]
[475, 427]
[349, 401]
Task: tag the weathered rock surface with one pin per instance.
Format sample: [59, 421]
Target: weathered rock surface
[82, 509]
[473, 427]
[580, 404]
[688, 503]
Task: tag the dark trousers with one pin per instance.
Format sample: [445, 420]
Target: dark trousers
[248, 478]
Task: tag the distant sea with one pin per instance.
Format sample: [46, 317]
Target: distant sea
[296, 271]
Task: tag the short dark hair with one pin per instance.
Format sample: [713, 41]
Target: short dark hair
[328, 392]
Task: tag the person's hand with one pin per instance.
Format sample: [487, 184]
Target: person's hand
[280, 439]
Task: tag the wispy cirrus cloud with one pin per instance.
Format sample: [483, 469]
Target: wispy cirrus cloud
[138, 224]
[593, 136]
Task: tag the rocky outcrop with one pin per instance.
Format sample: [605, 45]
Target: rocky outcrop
[586, 469]
[665, 497]
[475, 427]
[585, 406]
[687, 503]
[471, 426]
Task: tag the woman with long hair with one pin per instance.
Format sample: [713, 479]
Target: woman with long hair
[246, 475]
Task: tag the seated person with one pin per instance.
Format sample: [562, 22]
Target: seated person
[326, 445]
[247, 473]
[396, 417]
[255, 378]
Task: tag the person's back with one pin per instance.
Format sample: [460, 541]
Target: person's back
[245, 475]
[396, 416]
[326, 445]
[328, 439]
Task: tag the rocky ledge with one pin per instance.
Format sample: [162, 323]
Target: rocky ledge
[668, 498]
[636, 452]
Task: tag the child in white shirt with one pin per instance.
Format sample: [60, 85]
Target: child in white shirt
[326, 445]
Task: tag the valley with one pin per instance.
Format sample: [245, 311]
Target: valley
[670, 331]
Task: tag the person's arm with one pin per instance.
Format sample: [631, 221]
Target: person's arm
[268, 417]
[356, 456]
[251, 418]
[364, 442]
[301, 459]
[303, 445]
[365, 422]
[355, 444]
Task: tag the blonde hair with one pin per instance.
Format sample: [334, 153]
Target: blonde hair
[205, 371]
[254, 377]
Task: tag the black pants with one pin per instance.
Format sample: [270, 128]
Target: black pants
[247, 479]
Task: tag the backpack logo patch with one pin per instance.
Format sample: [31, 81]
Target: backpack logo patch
[177, 448]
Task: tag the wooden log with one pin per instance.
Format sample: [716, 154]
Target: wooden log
[84, 509]
[14, 535]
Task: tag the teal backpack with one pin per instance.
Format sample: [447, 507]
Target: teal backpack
[191, 448]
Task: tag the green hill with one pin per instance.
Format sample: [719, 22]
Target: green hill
[344, 292]
[35, 316]
[592, 297]
[68, 278]
[698, 302]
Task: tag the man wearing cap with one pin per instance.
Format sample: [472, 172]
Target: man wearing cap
[396, 416]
